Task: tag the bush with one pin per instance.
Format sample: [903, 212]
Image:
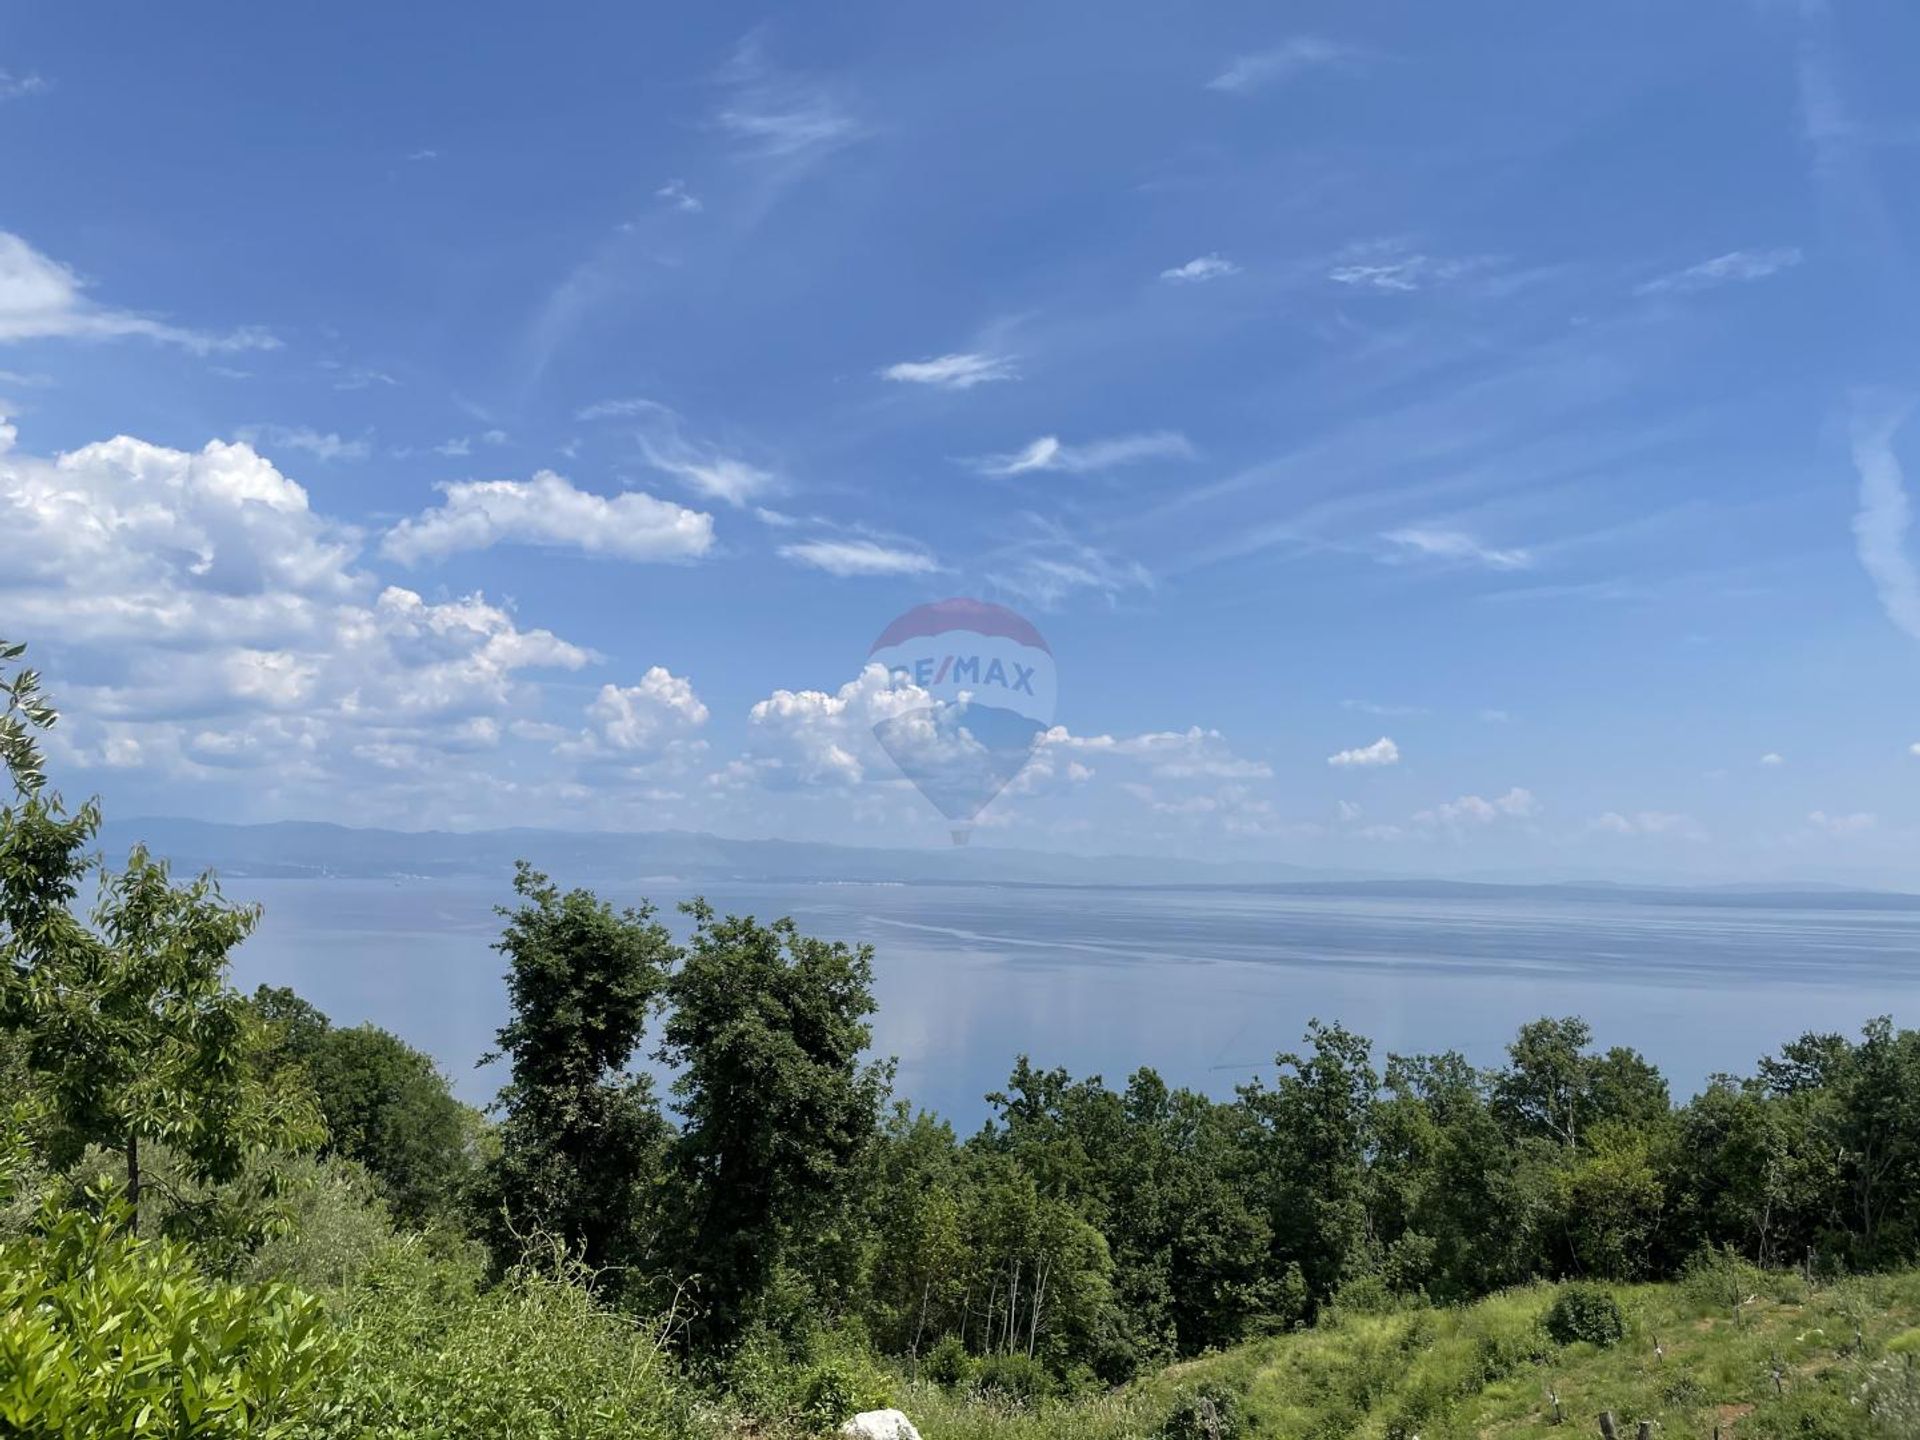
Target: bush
[827, 1398]
[948, 1364]
[1019, 1379]
[1585, 1312]
[1211, 1412]
[104, 1335]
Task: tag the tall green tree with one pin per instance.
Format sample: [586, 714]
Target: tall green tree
[583, 1136]
[766, 1030]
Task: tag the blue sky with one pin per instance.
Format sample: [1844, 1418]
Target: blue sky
[1520, 386]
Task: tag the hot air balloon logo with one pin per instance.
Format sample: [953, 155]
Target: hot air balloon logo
[978, 684]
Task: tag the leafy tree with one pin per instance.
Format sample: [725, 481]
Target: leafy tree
[130, 1029]
[581, 1144]
[386, 1105]
[766, 1030]
[1315, 1133]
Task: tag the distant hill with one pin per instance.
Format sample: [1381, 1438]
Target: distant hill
[297, 849]
[301, 849]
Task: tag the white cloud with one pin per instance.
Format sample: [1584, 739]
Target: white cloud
[1880, 525]
[17, 87]
[548, 510]
[860, 557]
[1048, 453]
[42, 299]
[665, 447]
[327, 446]
[1649, 823]
[1049, 566]
[952, 372]
[652, 718]
[1247, 73]
[1772, 759]
[812, 737]
[1381, 752]
[1734, 268]
[1842, 824]
[1914, 749]
[1203, 267]
[676, 194]
[1194, 753]
[1516, 804]
[213, 622]
[1457, 546]
[1403, 274]
[779, 116]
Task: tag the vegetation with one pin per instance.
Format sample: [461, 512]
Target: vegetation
[227, 1216]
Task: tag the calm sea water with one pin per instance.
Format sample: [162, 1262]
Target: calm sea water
[1204, 985]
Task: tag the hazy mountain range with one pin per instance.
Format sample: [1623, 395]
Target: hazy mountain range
[318, 850]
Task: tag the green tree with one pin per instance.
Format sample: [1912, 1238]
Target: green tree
[131, 1031]
[581, 1143]
[385, 1103]
[766, 1030]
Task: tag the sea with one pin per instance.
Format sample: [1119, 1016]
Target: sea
[1204, 984]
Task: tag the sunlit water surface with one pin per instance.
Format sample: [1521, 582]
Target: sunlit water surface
[1204, 984]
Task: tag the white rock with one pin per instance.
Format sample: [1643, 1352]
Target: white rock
[880, 1425]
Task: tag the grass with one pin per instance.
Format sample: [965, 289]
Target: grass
[1762, 1357]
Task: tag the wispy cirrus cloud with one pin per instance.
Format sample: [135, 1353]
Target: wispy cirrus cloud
[1386, 268]
[1245, 74]
[857, 557]
[1049, 453]
[665, 446]
[1736, 267]
[1885, 516]
[1200, 268]
[1456, 546]
[959, 371]
[40, 298]
[777, 115]
[320, 445]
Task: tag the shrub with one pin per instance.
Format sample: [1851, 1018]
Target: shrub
[1585, 1312]
[948, 1364]
[1019, 1379]
[827, 1398]
[1210, 1412]
[104, 1335]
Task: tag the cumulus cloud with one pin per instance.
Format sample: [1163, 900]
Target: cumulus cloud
[1381, 752]
[42, 299]
[1292, 58]
[213, 622]
[960, 371]
[848, 557]
[1049, 454]
[549, 511]
[1772, 759]
[1736, 267]
[1473, 810]
[1201, 267]
[1453, 545]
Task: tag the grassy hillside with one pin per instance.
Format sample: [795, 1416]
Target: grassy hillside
[1787, 1360]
